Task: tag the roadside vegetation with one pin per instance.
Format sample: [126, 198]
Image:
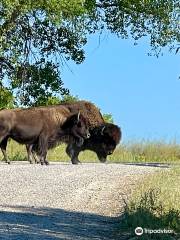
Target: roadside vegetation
[147, 152]
[154, 205]
[142, 152]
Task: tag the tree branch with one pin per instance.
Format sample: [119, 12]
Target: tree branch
[106, 5]
[4, 61]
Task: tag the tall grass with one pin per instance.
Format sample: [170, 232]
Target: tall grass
[147, 151]
[134, 152]
[155, 205]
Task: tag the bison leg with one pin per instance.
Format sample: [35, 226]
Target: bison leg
[29, 153]
[43, 159]
[43, 146]
[3, 146]
[73, 152]
[36, 158]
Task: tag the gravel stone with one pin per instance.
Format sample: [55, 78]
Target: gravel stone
[64, 201]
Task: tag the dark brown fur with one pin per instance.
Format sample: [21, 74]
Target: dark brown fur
[103, 141]
[104, 136]
[89, 110]
[39, 126]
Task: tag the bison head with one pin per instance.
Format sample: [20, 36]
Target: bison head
[105, 137]
[76, 126]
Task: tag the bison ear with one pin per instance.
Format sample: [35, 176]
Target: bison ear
[102, 130]
[70, 121]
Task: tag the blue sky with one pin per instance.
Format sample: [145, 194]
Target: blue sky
[141, 92]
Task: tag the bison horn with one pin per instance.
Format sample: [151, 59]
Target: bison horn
[78, 116]
[102, 130]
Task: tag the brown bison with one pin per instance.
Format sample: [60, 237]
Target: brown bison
[103, 141]
[104, 137]
[41, 127]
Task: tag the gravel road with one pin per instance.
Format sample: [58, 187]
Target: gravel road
[63, 201]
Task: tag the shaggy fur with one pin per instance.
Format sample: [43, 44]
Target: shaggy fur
[40, 126]
[103, 141]
[89, 110]
[104, 136]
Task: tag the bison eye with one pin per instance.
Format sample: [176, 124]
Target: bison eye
[79, 124]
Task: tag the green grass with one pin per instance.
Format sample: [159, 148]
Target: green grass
[147, 152]
[134, 152]
[154, 205]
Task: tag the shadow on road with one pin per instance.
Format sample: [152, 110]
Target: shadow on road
[21, 223]
[160, 165]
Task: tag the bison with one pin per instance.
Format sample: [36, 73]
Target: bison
[104, 137]
[41, 127]
[103, 141]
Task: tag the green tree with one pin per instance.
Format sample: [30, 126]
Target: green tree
[33, 34]
[108, 118]
[36, 33]
[39, 86]
[68, 98]
[52, 101]
[6, 98]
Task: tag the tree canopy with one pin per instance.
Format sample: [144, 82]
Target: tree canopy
[39, 86]
[38, 34]
[6, 98]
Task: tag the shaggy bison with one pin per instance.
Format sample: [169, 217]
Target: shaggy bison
[104, 137]
[103, 141]
[41, 127]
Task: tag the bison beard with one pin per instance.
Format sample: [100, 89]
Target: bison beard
[39, 125]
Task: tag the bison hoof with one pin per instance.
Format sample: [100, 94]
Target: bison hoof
[8, 162]
[75, 162]
[47, 163]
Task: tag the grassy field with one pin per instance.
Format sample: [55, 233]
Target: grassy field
[155, 205]
[130, 152]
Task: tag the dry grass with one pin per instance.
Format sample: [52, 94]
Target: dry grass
[155, 205]
[167, 183]
[130, 152]
[160, 152]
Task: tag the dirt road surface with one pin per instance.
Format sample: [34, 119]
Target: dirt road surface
[63, 201]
